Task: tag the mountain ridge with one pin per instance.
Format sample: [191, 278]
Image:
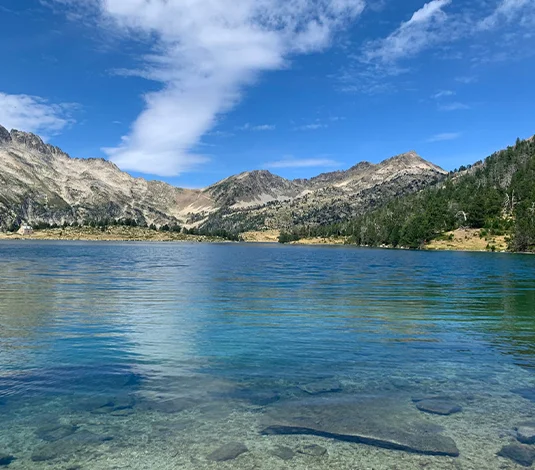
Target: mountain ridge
[42, 184]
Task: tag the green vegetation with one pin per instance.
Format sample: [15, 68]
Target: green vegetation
[497, 195]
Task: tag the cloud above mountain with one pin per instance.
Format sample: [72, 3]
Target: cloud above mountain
[204, 53]
[34, 114]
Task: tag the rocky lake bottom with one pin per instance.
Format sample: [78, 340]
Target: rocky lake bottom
[460, 421]
[123, 357]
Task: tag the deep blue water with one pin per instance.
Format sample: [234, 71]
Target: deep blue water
[219, 324]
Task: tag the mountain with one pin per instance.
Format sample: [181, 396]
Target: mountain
[496, 197]
[330, 197]
[40, 184]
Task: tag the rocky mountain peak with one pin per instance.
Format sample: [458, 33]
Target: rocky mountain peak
[5, 136]
[29, 140]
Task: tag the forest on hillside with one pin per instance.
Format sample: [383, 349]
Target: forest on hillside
[496, 195]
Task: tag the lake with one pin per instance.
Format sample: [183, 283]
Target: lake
[242, 356]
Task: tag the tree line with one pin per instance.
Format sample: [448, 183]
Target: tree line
[497, 195]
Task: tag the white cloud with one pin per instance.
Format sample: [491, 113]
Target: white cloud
[507, 10]
[34, 114]
[204, 53]
[261, 127]
[290, 162]
[310, 127]
[443, 94]
[466, 80]
[422, 31]
[444, 136]
[455, 106]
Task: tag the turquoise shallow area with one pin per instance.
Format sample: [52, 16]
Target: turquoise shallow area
[133, 355]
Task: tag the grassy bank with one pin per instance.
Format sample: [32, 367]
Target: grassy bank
[112, 233]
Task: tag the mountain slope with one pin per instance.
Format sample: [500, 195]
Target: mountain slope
[40, 184]
[333, 197]
[496, 195]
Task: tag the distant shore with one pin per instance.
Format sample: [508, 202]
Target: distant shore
[111, 234]
[459, 240]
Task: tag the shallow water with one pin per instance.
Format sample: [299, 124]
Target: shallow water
[132, 355]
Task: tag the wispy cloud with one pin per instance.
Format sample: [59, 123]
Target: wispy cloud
[443, 94]
[220, 134]
[376, 68]
[205, 53]
[290, 162]
[444, 136]
[34, 114]
[311, 127]
[261, 127]
[466, 80]
[455, 106]
[506, 11]
[420, 32]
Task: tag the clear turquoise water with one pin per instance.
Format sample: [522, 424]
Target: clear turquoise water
[198, 341]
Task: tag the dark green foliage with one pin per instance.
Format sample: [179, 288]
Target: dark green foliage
[497, 195]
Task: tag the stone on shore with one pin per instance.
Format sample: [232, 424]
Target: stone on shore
[438, 407]
[321, 386]
[228, 452]
[389, 423]
[519, 453]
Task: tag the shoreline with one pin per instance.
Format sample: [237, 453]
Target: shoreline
[463, 240]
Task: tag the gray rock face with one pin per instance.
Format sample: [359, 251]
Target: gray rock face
[321, 386]
[228, 452]
[519, 453]
[41, 183]
[5, 136]
[382, 422]
[438, 407]
[283, 453]
[5, 459]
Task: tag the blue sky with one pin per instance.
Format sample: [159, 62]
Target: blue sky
[191, 91]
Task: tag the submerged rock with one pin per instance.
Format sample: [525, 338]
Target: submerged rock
[519, 453]
[53, 451]
[106, 405]
[382, 422]
[228, 452]
[283, 453]
[85, 437]
[172, 405]
[438, 406]
[256, 397]
[314, 450]
[525, 433]
[321, 386]
[527, 392]
[5, 459]
[55, 432]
